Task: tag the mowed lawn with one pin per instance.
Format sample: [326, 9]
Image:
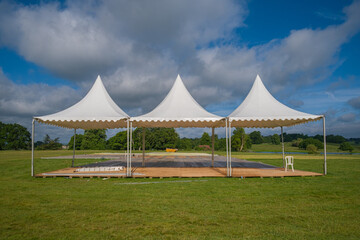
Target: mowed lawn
[326, 207]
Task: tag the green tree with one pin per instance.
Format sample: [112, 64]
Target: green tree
[346, 146]
[256, 137]
[162, 138]
[304, 143]
[156, 138]
[220, 144]
[2, 136]
[334, 139]
[205, 139]
[267, 139]
[14, 136]
[118, 142]
[38, 143]
[78, 141]
[185, 144]
[275, 139]
[240, 141]
[138, 136]
[94, 139]
[50, 144]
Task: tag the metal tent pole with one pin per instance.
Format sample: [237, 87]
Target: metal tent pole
[73, 159]
[283, 148]
[32, 146]
[130, 147]
[127, 148]
[212, 146]
[230, 147]
[227, 148]
[325, 165]
[143, 147]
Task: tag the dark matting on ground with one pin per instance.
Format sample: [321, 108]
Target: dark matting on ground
[180, 162]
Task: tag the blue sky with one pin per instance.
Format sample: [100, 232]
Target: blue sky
[307, 53]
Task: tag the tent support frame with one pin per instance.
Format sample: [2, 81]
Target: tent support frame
[230, 148]
[127, 148]
[212, 145]
[130, 148]
[282, 146]
[73, 159]
[324, 133]
[32, 146]
[227, 147]
[143, 147]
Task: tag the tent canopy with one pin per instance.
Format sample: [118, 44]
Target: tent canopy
[260, 109]
[178, 109]
[95, 111]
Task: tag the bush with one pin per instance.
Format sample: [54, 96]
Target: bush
[346, 146]
[308, 141]
[311, 148]
[296, 143]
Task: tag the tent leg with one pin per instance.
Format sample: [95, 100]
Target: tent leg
[32, 146]
[130, 148]
[230, 148]
[282, 146]
[73, 159]
[227, 148]
[212, 146]
[143, 147]
[127, 149]
[324, 131]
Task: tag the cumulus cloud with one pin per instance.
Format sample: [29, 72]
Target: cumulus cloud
[348, 117]
[18, 100]
[355, 102]
[138, 44]
[305, 57]
[138, 47]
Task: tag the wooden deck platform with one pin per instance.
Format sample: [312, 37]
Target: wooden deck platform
[173, 165]
[161, 172]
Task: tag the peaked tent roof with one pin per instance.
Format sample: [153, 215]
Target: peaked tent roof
[261, 109]
[95, 111]
[178, 109]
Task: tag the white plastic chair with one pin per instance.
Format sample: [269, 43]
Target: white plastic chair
[289, 161]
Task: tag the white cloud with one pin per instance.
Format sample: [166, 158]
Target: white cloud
[139, 46]
[305, 57]
[33, 99]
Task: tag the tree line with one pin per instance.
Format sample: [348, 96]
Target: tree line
[16, 137]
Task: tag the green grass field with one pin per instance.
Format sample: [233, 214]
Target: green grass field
[267, 147]
[326, 207]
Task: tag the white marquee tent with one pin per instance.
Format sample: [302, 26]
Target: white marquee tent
[96, 110]
[261, 110]
[178, 109]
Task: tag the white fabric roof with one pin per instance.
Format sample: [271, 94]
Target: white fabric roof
[95, 111]
[178, 109]
[261, 109]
